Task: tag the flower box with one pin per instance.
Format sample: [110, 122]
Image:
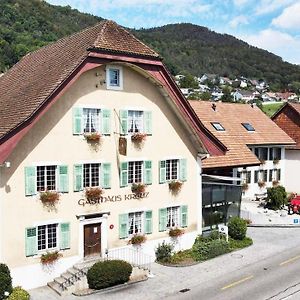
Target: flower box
[245, 187]
[138, 188]
[276, 161]
[50, 257]
[137, 239]
[92, 137]
[275, 182]
[93, 193]
[175, 186]
[176, 232]
[138, 137]
[261, 184]
[49, 197]
[262, 161]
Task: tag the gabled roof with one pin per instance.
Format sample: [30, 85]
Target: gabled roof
[30, 86]
[235, 137]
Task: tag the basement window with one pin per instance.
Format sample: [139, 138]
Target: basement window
[248, 126]
[218, 126]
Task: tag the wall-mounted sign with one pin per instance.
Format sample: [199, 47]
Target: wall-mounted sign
[111, 226]
[115, 198]
[123, 146]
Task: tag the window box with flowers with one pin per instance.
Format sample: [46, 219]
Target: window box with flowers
[175, 186]
[275, 182]
[137, 239]
[49, 198]
[276, 161]
[92, 137]
[49, 258]
[176, 232]
[138, 138]
[245, 186]
[261, 184]
[93, 193]
[138, 188]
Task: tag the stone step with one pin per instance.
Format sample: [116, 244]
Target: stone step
[55, 287]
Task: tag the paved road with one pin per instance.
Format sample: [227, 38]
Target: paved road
[253, 273]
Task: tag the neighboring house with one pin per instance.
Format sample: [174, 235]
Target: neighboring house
[243, 84]
[203, 88]
[225, 80]
[99, 83]
[246, 96]
[210, 77]
[256, 145]
[287, 96]
[288, 119]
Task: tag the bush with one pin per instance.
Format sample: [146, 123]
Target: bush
[108, 273]
[237, 228]
[163, 252]
[19, 294]
[206, 249]
[239, 244]
[276, 197]
[5, 280]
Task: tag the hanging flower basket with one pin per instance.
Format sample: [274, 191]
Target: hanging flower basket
[176, 232]
[261, 184]
[275, 182]
[245, 187]
[93, 193]
[138, 188]
[49, 197]
[175, 186]
[137, 239]
[93, 137]
[138, 137]
[50, 257]
[276, 161]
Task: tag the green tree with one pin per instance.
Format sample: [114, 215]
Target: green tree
[188, 81]
[227, 97]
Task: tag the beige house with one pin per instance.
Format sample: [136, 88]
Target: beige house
[94, 112]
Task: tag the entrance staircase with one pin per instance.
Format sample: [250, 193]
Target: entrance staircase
[74, 279]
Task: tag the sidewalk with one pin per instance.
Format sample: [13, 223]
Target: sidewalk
[168, 280]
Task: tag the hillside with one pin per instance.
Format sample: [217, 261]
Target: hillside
[26, 25]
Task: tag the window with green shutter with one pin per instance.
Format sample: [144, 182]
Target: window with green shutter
[77, 120]
[78, 178]
[148, 172]
[123, 226]
[106, 175]
[65, 236]
[183, 216]
[162, 171]
[63, 179]
[123, 122]
[30, 241]
[182, 169]
[124, 174]
[148, 122]
[106, 113]
[30, 181]
[162, 214]
[148, 221]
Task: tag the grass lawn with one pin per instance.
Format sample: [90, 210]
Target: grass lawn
[270, 109]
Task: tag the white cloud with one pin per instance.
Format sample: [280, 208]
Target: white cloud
[239, 20]
[290, 17]
[277, 42]
[269, 6]
[240, 2]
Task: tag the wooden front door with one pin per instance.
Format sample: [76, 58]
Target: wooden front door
[92, 239]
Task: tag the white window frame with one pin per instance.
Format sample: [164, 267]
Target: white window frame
[134, 222]
[134, 111]
[169, 214]
[99, 120]
[46, 238]
[114, 87]
[134, 174]
[90, 181]
[171, 168]
[45, 177]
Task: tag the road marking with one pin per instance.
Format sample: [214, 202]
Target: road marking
[236, 282]
[289, 260]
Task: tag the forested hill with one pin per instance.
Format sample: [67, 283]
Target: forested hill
[26, 25]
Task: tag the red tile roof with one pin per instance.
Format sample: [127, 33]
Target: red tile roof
[235, 137]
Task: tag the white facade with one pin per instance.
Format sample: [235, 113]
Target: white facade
[291, 171]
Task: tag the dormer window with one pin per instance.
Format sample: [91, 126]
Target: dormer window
[218, 126]
[248, 126]
[114, 78]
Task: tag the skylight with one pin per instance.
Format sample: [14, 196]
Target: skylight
[218, 126]
[248, 126]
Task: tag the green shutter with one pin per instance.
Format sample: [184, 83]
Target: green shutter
[182, 169]
[123, 121]
[148, 221]
[162, 219]
[77, 120]
[78, 178]
[106, 121]
[162, 171]
[148, 172]
[183, 216]
[64, 236]
[30, 181]
[63, 179]
[123, 226]
[124, 174]
[106, 175]
[148, 122]
[30, 241]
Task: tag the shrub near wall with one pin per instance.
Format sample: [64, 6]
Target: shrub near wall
[237, 228]
[108, 273]
[5, 281]
[19, 294]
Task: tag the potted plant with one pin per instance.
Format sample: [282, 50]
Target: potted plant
[49, 198]
[137, 239]
[261, 183]
[275, 182]
[50, 257]
[175, 232]
[262, 161]
[138, 188]
[276, 161]
[175, 186]
[245, 186]
[93, 193]
[93, 137]
[138, 137]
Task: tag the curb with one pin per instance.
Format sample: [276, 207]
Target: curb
[275, 225]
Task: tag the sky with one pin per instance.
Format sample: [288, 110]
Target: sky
[273, 25]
